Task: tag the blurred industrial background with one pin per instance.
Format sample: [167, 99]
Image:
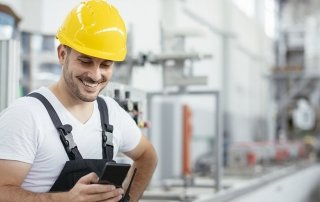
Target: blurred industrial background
[228, 91]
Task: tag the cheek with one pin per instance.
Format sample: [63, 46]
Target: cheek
[108, 73]
[111, 72]
[73, 69]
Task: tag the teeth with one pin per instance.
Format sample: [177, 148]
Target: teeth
[92, 85]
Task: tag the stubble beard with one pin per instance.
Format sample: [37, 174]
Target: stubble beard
[74, 89]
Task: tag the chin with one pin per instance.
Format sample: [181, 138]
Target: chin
[88, 97]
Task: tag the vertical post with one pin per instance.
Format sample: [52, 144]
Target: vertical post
[271, 115]
[219, 143]
[280, 46]
[9, 72]
[3, 74]
[223, 95]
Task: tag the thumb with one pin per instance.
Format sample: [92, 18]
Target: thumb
[89, 178]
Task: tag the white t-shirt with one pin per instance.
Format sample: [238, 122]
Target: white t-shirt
[27, 134]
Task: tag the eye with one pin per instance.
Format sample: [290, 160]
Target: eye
[85, 60]
[107, 64]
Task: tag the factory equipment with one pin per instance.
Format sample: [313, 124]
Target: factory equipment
[176, 61]
[256, 158]
[132, 100]
[304, 116]
[296, 73]
[172, 134]
[167, 115]
[9, 56]
[176, 70]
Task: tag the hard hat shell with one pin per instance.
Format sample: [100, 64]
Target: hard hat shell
[95, 28]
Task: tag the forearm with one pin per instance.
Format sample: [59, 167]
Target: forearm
[145, 168]
[17, 194]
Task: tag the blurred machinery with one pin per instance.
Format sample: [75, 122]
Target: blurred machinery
[177, 67]
[304, 116]
[176, 62]
[254, 158]
[178, 148]
[172, 118]
[132, 100]
[295, 81]
[9, 56]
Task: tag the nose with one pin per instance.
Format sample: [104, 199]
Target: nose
[95, 73]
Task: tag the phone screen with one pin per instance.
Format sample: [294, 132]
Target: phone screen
[114, 173]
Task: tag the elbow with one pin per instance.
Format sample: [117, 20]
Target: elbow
[152, 156]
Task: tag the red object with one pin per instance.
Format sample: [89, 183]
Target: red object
[282, 154]
[251, 158]
[186, 138]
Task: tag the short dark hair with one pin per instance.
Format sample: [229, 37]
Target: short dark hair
[68, 48]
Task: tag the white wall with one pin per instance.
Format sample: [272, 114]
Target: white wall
[251, 60]
[53, 13]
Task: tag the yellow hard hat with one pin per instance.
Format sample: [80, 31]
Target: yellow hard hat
[95, 28]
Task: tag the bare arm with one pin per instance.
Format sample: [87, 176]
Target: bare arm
[145, 160]
[12, 174]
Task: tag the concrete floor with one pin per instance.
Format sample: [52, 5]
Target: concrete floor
[279, 184]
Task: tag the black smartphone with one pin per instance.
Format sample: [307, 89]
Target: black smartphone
[114, 173]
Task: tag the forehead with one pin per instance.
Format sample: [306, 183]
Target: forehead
[81, 55]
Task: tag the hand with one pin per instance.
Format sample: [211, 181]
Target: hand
[87, 190]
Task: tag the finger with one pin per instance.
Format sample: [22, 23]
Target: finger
[99, 188]
[114, 195]
[114, 199]
[89, 178]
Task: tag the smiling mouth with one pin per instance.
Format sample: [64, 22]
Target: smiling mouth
[91, 85]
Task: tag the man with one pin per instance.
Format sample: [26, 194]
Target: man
[36, 163]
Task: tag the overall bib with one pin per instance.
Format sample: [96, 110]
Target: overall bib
[77, 167]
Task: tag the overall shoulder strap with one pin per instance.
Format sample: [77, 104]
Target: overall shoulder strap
[64, 130]
[107, 130]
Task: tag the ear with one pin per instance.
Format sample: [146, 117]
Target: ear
[62, 54]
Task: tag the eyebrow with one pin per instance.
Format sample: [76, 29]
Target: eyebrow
[90, 57]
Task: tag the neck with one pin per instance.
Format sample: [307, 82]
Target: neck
[80, 109]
